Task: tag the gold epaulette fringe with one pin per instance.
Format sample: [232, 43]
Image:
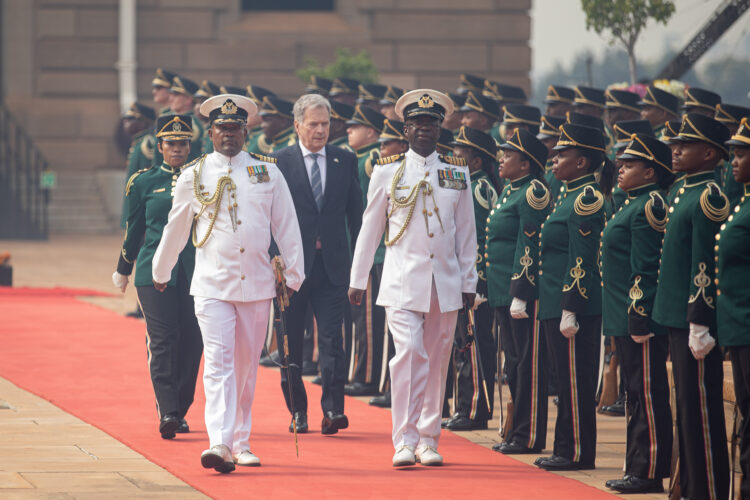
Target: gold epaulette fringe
[537, 202]
[148, 145]
[453, 160]
[132, 178]
[716, 214]
[656, 201]
[585, 207]
[390, 159]
[192, 162]
[259, 157]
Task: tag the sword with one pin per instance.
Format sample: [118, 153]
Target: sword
[282, 339]
[470, 328]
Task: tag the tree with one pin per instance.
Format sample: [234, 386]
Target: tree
[625, 19]
[359, 67]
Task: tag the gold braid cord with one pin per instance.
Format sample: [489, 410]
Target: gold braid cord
[224, 181]
[582, 208]
[702, 281]
[535, 202]
[653, 221]
[526, 262]
[577, 273]
[714, 214]
[409, 201]
[635, 295]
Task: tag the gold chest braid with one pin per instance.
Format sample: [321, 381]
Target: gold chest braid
[224, 182]
[409, 201]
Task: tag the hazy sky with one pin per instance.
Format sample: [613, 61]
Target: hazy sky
[551, 17]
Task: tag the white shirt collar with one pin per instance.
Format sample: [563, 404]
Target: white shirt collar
[420, 160]
[226, 159]
[306, 152]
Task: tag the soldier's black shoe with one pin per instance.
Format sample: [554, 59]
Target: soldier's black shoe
[499, 446]
[382, 401]
[616, 409]
[332, 422]
[445, 421]
[463, 423]
[360, 389]
[270, 360]
[309, 368]
[183, 428]
[633, 484]
[317, 380]
[135, 314]
[555, 463]
[301, 420]
[515, 448]
[168, 425]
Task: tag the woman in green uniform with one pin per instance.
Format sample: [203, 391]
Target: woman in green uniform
[173, 338]
[733, 294]
[570, 293]
[512, 243]
[630, 249]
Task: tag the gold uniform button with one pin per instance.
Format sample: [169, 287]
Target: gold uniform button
[486, 255]
[671, 209]
[677, 200]
[540, 272]
[736, 209]
[682, 190]
[242, 277]
[718, 292]
[718, 237]
[716, 280]
[730, 218]
[716, 248]
[627, 202]
[242, 250]
[432, 255]
[716, 258]
[230, 170]
[505, 199]
[431, 235]
[239, 222]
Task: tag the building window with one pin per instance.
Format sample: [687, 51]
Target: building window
[309, 5]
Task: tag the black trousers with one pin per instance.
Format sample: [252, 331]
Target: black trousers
[470, 399]
[368, 333]
[648, 452]
[701, 430]
[174, 345]
[577, 365]
[327, 302]
[528, 379]
[740, 356]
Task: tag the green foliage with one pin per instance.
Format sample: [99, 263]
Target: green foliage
[625, 18]
[359, 66]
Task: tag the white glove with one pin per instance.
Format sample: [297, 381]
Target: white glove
[700, 341]
[120, 281]
[479, 299]
[641, 339]
[568, 324]
[518, 309]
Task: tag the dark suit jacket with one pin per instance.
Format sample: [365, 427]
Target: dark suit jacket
[342, 204]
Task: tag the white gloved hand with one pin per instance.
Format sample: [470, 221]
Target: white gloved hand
[641, 339]
[518, 309]
[568, 324]
[700, 341]
[479, 299]
[120, 281]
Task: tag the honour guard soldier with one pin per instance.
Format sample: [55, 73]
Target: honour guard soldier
[370, 95]
[453, 121]
[277, 123]
[732, 293]
[392, 139]
[630, 264]
[364, 130]
[388, 102]
[181, 102]
[570, 293]
[623, 132]
[318, 85]
[234, 203]
[138, 122]
[549, 134]
[502, 94]
[207, 89]
[423, 203]
[173, 338]
[160, 86]
[685, 305]
[659, 106]
[512, 246]
[700, 101]
[254, 129]
[444, 145]
[479, 112]
[670, 130]
[621, 105]
[340, 114]
[470, 83]
[473, 408]
[559, 100]
[592, 102]
[344, 90]
[517, 116]
[731, 116]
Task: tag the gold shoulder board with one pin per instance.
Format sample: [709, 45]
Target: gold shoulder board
[537, 195]
[132, 179]
[484, 186]
[453, 160]
[588, 202]
[390, 159]
[193, 162]
[264, 158]
[656, 212]
[148, 145]
[711, 195]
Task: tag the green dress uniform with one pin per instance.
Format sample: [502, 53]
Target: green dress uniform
[569, 279]
[732, 189]
[265, 146]
[512, 242]
[342, 142]
[140, 156]
[173, 337]
[251, 142]
[630, 247]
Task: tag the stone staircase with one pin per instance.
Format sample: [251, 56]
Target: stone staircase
[78, 205]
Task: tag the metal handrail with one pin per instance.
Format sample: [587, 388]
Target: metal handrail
[23, 201]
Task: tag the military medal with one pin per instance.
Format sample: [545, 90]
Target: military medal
[258, 173]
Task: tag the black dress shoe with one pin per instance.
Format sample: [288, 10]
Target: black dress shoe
[446, 421]
[463, 423]
[271, 360]
[499, 446]
[555, 463]
[332, 422]
[183, 428]
[138, 314]
[633, 484]
[516, 448]
[309, 368]
[317, 380]
[617, 409]
[301, 420]
[360, 389]
[382, 401]
[168, 425]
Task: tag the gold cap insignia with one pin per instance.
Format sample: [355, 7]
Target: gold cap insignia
[176, 127]
[426, 101]
[229, 108]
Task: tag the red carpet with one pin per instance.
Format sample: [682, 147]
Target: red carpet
[91, 363]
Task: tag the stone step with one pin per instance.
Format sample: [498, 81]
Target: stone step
[77, 206]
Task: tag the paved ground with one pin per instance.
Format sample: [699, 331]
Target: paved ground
[47, 453]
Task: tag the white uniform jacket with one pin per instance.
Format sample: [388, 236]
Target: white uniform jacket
[234, 264]
[439, 241]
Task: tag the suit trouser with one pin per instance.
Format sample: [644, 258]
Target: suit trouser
[470, 399]
[648, 452]
[577, 364]
[418, 370]
[327, 302]
[174, 345]
[528, 382]
[233, 336]
[740, 356]
[368, 332]
[701, 430]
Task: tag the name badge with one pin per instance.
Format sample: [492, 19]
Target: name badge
[258, 174]
[450, 178]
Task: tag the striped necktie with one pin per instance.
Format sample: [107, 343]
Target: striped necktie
[317, 184]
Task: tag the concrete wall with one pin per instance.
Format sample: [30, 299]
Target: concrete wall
[59, 56]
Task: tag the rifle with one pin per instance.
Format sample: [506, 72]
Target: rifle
[282, 338]
[475, 351]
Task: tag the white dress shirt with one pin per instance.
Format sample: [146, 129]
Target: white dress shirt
[234, 264]
[427, 248]
[307, 156]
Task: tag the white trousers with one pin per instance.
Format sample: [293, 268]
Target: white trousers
[233, 335]
[418, 370]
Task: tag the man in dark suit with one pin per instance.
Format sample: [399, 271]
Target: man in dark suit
[324, 183]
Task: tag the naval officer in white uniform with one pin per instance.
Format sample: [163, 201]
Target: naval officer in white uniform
[422, 202]
[238, 202]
